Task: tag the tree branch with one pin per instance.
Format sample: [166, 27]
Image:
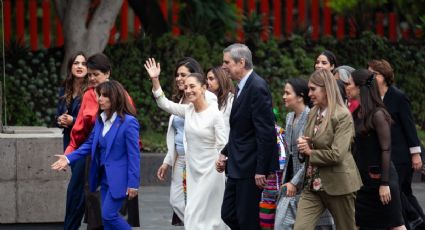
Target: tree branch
[74, 28]
[149, 13]
[60, 6]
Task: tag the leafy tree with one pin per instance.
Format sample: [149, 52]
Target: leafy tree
[362, 11]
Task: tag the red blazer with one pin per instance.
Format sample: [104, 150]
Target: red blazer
[85, 120]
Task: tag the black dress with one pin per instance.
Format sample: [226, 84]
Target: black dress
[372, 152]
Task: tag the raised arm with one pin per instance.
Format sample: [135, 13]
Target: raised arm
[154, 69]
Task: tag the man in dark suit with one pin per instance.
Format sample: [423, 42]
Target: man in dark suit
[405, 146]
[251, 153]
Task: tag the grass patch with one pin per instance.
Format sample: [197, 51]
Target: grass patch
[154, 142]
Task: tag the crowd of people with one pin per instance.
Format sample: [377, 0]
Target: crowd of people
[350, 141]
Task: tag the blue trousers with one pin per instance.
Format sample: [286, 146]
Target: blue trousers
[75, 198]
[111, 218]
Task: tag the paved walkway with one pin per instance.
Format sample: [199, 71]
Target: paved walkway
[155, 211]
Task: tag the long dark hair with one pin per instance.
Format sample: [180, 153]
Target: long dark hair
[118, 97]
[68, 83]
[193, 66]
[225, 85]
[370, 101]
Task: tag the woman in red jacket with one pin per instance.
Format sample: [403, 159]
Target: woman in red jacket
[99, 70]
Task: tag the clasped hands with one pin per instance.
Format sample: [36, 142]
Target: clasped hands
[304, 145]
[65, 120]
[220, 165]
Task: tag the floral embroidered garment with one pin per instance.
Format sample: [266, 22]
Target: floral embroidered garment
[312, 177]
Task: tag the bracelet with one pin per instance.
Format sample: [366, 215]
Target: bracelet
[160, 95]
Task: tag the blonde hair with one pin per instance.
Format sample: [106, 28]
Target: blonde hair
[325, 79]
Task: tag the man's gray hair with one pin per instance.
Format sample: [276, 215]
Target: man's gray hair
[238, 51]
[344, 72]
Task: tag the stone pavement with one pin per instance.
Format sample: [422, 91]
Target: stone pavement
[155, 211]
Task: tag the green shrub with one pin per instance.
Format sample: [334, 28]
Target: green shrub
[33, 78]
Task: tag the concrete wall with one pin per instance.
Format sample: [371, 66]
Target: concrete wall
[30, 192]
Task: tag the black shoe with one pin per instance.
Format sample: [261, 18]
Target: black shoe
[414, 225]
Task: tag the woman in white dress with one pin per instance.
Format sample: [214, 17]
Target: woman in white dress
[221, 85]
[205, 137]
[175, 157]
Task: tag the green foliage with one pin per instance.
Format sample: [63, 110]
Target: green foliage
[154, 141]
[343, 6]
[32, 78]
[128, 68]
[208, 17]
[412, 11]
[32, 81]
[421, 134]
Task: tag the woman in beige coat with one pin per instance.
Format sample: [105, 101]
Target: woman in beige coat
[332, 177]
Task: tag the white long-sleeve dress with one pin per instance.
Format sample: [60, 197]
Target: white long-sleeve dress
[226, 114]
[205, 137]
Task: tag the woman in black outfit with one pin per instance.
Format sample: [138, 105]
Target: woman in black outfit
[378, 200]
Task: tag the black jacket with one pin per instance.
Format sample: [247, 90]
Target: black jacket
[403, 130]
[252, 147]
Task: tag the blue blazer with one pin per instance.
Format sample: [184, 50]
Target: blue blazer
[122, 161]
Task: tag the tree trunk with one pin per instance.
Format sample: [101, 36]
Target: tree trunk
[88, 36]
[150, 15]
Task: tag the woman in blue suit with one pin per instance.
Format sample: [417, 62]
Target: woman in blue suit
[112, 143]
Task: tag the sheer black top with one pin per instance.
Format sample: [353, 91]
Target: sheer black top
[372, 150]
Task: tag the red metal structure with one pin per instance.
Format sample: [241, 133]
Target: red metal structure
[282, 18]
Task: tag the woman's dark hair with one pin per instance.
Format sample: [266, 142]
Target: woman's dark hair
[118, 97]
[99, 62]
[68, 83]
[300, 87]
[383, 67]
[193, 66]
[330, 56]
[370, 101]
[225, 85]
[200, 78]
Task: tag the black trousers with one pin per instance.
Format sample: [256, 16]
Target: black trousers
[240, 209]
[410, 205]
[75, 198]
